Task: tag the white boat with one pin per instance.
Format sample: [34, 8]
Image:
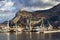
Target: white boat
[5, 29]
[53, 31]
[28, 28]
[50, 29]
[36, 29]
[40, 28]
[45, 29]
[18, 29]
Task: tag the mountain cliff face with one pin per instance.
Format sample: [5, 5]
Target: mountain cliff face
[52, 15]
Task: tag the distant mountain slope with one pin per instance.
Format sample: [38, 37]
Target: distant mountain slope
[52, 15]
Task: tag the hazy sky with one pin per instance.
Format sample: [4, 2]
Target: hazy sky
[8, 8]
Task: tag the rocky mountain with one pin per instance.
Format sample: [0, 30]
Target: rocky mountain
[52, 15]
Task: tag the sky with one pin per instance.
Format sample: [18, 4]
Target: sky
[8, 8]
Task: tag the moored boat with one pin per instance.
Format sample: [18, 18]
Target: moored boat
[53, 31]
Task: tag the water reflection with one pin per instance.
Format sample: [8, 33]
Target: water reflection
[29, 36]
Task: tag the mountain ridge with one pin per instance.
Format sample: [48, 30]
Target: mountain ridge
[52, 15]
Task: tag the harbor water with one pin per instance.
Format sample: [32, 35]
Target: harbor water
[29, 36]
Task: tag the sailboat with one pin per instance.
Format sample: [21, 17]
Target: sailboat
[36, 29]
[50, 26]
[6, 29]
[18, 28]
[50, 29]
[28, 27]
[42, 26]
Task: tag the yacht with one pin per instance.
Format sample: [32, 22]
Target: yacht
[50, 29]
[20, 29]
[36, 29]
[40, 28]
[5, 29]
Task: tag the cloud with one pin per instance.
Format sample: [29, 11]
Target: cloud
[34, 8]
[7, 10]
[9, 4]
[37, 4]
[2, 3]
[43, 4]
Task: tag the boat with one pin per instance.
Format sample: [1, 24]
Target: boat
[51, 29]
[28, 27]
[40, 28]
[36, 29]
[43, 29]
[5, 29]
[18, 28]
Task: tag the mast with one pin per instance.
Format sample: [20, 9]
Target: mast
[42, 24]
[16, 27]
[50, 27]
[49, 24]
[42, 27]
[8, 24]
[8, 28]
[27, 23]
[30, 24]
